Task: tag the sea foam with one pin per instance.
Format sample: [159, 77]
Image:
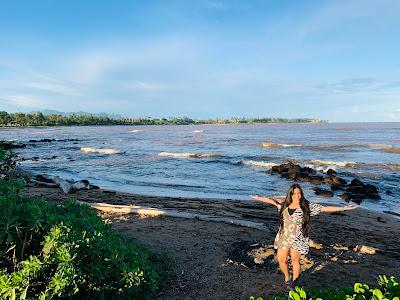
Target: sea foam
[254, 163]
[275, 145]
[187, 155]
[101, 151]
[334, 163]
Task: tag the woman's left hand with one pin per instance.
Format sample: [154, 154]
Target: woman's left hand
[350, 207]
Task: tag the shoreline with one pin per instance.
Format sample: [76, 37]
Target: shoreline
[212, 261]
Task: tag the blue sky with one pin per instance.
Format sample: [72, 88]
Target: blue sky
[332, 60]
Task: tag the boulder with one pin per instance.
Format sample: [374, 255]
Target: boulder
[331, 172]
[323, 193]
[356, 182]
[7, 145]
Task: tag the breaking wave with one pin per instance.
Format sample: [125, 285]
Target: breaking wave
[345, 164]
[136, 130]
[379, 146]
[198, 131]
[275, 145]
[253, 163]
[101, 151]
[188, 155]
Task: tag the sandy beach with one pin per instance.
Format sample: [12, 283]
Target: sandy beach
[215, 260]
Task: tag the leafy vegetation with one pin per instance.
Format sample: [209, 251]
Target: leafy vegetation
[388, 289]
[39, 119]
[7, 162]
[67, 251]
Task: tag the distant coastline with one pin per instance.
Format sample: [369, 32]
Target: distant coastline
[86, 119]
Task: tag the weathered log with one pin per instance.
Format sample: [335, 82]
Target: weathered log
[44, 183]
[156, 212]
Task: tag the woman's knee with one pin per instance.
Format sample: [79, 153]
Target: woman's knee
[282, 257]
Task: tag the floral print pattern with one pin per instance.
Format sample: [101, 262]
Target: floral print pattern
[291, 235]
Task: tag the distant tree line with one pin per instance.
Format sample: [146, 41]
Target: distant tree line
[39, 119]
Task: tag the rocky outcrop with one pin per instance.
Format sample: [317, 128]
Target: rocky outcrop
[53, 140]
[7, 145]
[358, 191]
[355, 191]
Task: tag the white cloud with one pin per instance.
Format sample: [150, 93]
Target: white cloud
[339, 13]
[25, 101]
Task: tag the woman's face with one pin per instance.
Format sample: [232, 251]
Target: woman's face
[296, 196]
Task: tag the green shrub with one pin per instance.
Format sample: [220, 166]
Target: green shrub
[7, 162]
[67, 251]
[389, 289]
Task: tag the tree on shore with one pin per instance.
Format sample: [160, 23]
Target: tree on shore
[39, 119]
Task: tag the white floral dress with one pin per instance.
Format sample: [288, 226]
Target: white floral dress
[291, 235]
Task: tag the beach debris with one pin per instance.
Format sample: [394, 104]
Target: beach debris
[67, 186]
[252, 255]
[315, 245]
[362, 249]
[262, 253]
[157, 212]
[339, 247]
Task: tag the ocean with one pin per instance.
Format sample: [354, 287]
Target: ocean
[216, 161]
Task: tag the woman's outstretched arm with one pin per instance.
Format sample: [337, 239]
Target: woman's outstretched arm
[266, 200]
[337, 208]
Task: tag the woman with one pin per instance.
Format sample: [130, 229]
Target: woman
[292, 238]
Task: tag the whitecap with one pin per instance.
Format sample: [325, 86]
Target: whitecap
[379, 146]
[334, 163]
[101, 151]
[254, 163]
[136, 130]
[275, 145]
[187, 155]
[198, 131]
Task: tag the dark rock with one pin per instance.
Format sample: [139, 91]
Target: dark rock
[356, 182]
[331, 172]
[371, 189]
[323, 193]
[334, 180]
[315, 179]
[42, 141]
[6, 145]
[336, 188]
[391, 213]
[356, 189]
[345, 196]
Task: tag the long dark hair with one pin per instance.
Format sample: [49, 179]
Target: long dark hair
[304, 205]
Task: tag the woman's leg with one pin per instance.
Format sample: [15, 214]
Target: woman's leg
[282, 256]
[295, 257]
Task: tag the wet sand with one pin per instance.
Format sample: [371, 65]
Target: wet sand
[211, 258]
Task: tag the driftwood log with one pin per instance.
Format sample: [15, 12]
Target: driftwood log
[156, 212]
[66, 186]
